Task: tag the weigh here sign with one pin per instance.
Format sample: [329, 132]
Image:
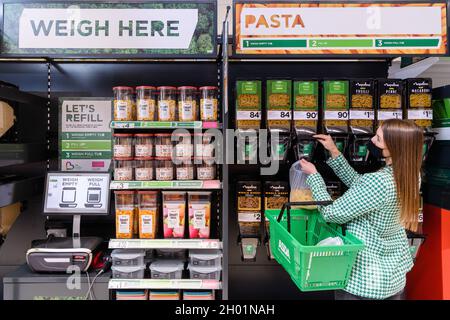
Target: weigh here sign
[85, 135]
[101, 27]
[267, 28]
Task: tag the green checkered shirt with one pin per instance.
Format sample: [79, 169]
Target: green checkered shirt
[370, 211]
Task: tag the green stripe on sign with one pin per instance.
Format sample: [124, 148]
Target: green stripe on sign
[274, 43]
[86, 136]
[338, 43]
[67, 145]
[380, 43]
[86, 155]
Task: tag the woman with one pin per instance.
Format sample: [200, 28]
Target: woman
[376, 208]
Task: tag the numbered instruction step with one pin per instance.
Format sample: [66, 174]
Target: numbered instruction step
[359, 43]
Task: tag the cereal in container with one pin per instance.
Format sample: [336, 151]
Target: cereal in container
[148, 214]
[124, 214]
[185, 169]
[164, 169]
[204, 145]
[174, 211]
[123, 169]
[184, 147]
[208, 104]
[199, 205]
[123, 103]
[167, 102]
[146, 103]
[163, 145]
[187, 103]
[206, 168]
[144, 169]
[143, 146]
[123, 145]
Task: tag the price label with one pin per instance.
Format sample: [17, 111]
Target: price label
[124, 125]
[249, 217]
[336, 115]
[248, 115]
[278, 115]
[386, 115]
[420, 114]
[362, 115]
[119, 185]
[306, 115]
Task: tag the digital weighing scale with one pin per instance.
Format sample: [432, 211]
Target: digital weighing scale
[75, 194]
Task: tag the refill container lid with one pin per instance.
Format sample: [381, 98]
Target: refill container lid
[209, 88]
[145, 87]
[144, 135]
[123, 135]
[123, 158]
[123, 88]
[201, 269]
[167, 266]
[147, 192]
[167, 88]
[205, 255]
[128, 269]
[127, 254]
[187, 88]
[124, 192]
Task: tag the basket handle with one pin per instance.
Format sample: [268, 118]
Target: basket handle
[287, 206]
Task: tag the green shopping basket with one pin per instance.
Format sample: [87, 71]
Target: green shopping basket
[293, 240]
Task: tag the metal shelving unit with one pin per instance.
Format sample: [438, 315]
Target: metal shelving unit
[165, 244]
[165, 125]
[181, 284]
[167, 185]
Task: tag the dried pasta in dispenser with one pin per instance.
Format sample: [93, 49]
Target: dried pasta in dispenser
[362, 105]
[249, 208]
[390, 100]
[419, 101]
[306, 106]
[276, 194]
[248, 104]
[335, 106]
[278, 104]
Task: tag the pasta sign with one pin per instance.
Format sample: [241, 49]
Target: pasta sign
[340, 28]
[285, 21]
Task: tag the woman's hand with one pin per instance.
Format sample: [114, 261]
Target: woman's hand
[328, 144]
[308, 167]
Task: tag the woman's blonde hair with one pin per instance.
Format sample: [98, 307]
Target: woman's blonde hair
[404, 140]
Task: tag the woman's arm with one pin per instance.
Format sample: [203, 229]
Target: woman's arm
[343, 170]
[364, 196]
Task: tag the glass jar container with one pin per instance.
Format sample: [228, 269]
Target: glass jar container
[123, 169]
[148, 214]
[143, 145]
[206, 169]
[167, 104]
[144, 168]
[125, 214]
[183, 145]
[146, 103]
[187, 104]
[164, 169]
[163, 145]
[203, 145]
[208, 104]
[123, 103]
[185, 169]
[123, 145]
